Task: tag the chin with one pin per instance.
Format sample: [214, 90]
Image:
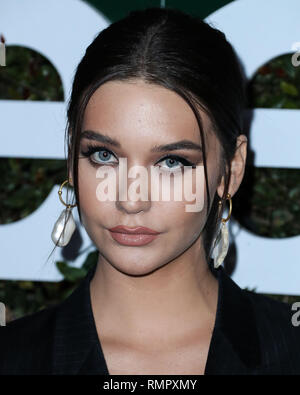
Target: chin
[134, 266]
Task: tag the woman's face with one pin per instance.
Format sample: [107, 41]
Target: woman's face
[138, 117]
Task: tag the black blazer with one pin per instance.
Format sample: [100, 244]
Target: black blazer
[253, 335]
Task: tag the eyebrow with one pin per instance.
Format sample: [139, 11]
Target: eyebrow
[182, 144]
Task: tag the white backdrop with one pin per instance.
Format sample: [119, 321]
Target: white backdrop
[258, 31]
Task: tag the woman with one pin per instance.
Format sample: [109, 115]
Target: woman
[163, 90]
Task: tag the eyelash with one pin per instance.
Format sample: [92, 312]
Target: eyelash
[92, 149]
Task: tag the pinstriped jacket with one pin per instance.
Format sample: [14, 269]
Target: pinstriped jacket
[253, 335]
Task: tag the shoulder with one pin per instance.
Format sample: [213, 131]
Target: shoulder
[270, 310]
[279, 332]
[268, 314]
[35, 344]
[27, 342]
[264, 332]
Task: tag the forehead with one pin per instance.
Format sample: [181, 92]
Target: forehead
[141, 110]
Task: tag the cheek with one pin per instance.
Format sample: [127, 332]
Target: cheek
[182, 225]
[186, 218]
[189, 189]
[92, 209]
[87, 184]
[94, 212]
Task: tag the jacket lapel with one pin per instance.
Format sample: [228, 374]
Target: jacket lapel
[235, 346]
[76, 341]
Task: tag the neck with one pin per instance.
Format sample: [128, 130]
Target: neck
[178, 298]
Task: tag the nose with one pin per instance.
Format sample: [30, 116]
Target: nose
[130, 207]
[135, 196]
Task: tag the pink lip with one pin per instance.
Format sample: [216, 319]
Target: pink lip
[133, 239]
[140, 230]
[138, 236]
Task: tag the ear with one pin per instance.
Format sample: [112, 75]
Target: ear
[238, 164]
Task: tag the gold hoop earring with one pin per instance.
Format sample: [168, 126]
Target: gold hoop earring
[228, 197]
[60, 193]
[221, 242]
[65, 225]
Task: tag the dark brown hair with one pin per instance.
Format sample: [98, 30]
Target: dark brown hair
[181, 53]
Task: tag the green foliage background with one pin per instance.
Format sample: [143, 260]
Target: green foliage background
[275, 201]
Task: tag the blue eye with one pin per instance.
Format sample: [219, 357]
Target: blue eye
[172, 163]
[102, 155]
[98, 155]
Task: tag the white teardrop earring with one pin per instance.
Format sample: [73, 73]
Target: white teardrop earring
[221, 242]
[65, 225]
